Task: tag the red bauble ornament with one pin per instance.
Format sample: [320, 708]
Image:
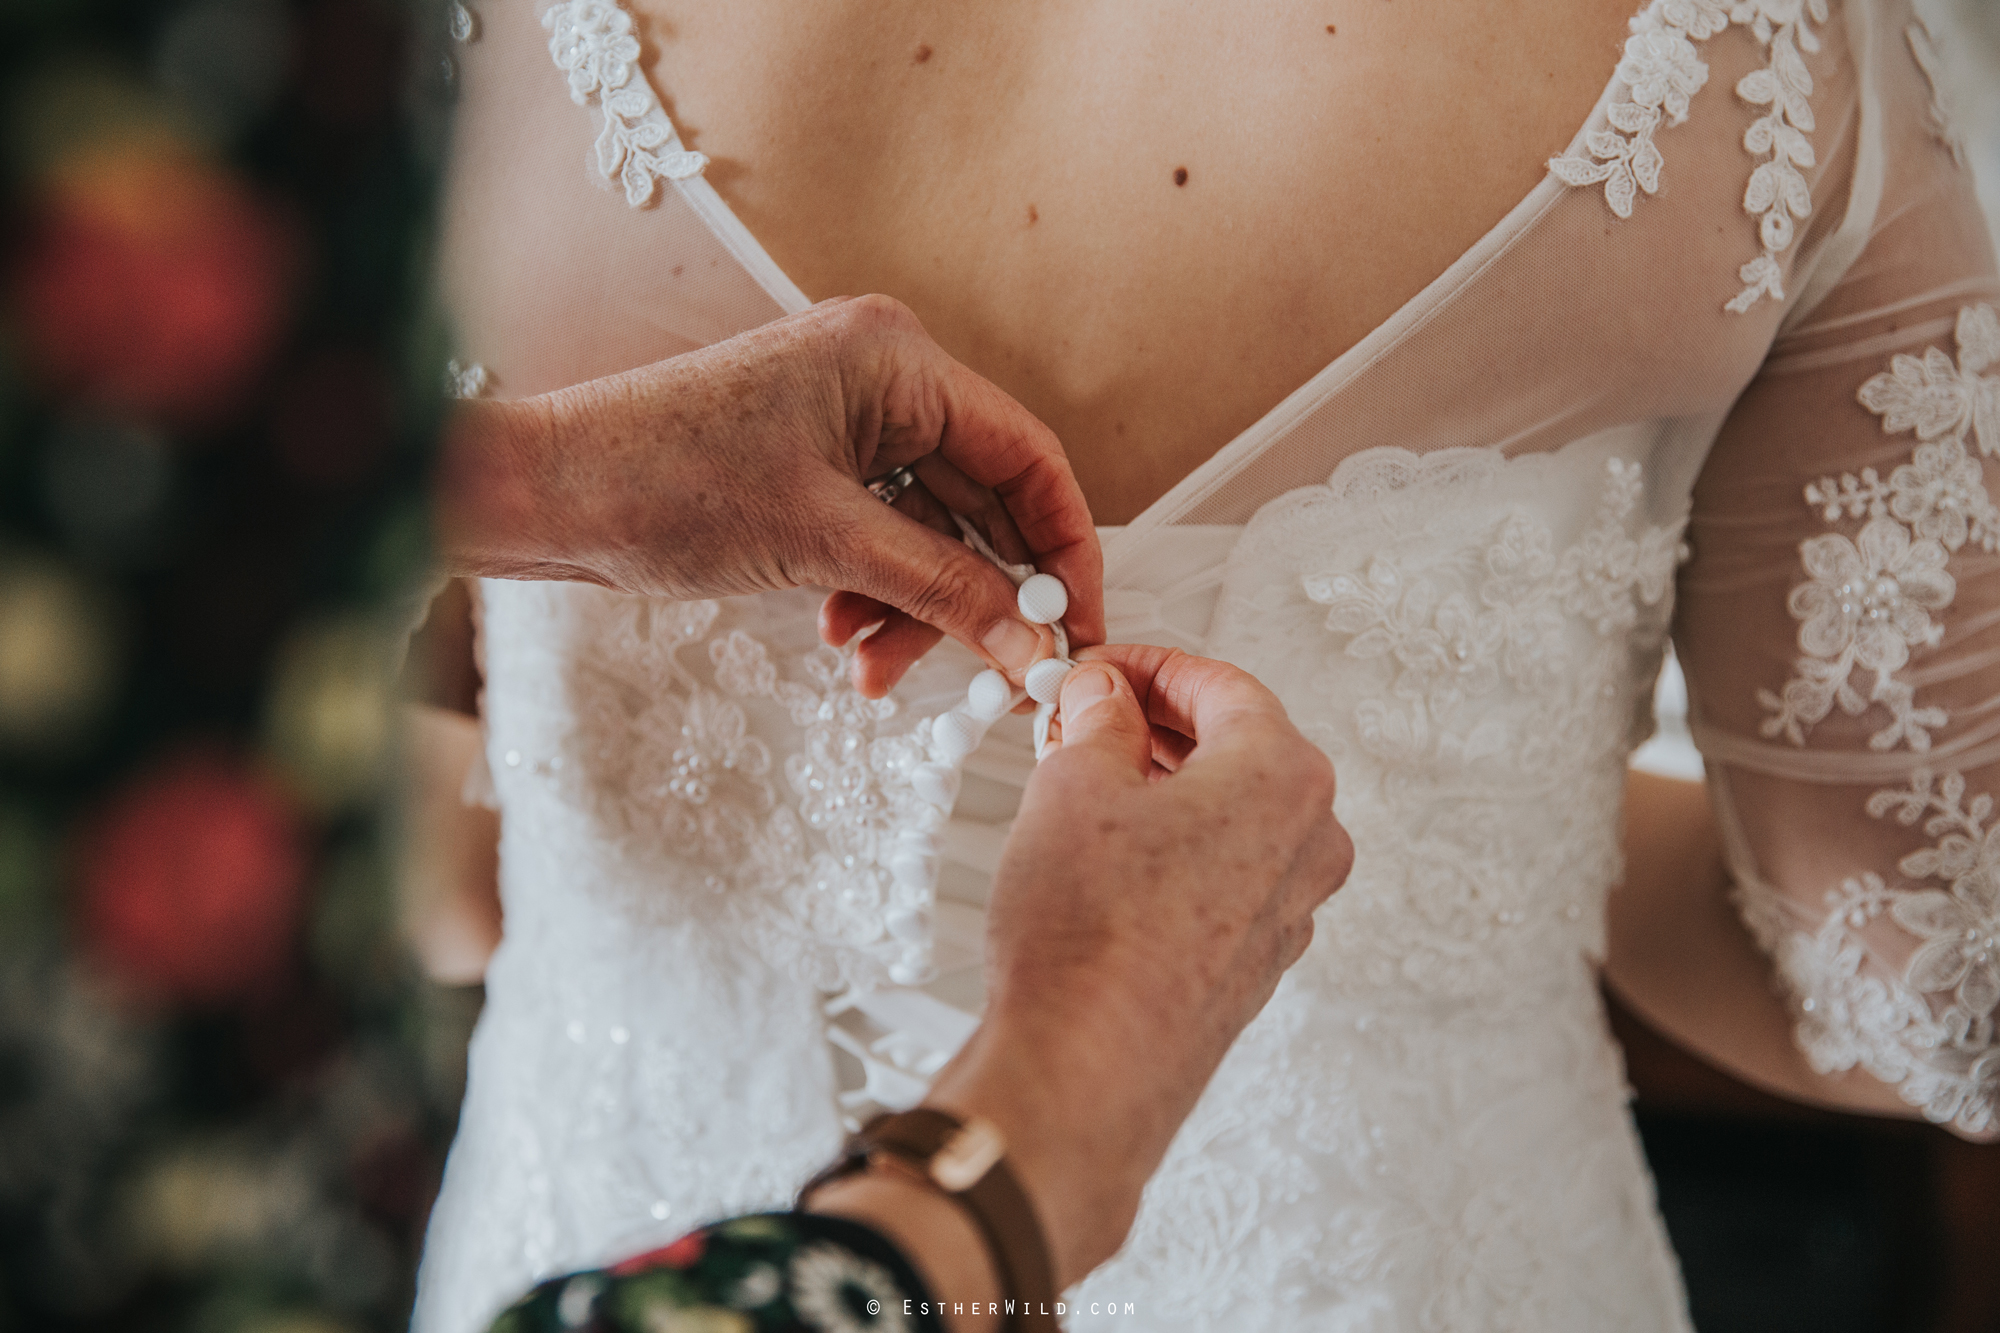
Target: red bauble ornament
[193, 880]
[152, 285]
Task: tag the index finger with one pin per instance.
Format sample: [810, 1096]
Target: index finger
[1002, 446]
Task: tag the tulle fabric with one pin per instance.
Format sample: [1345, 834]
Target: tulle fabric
[1821, 824]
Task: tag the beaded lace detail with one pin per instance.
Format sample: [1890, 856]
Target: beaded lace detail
[1663, 70]
[1929, 1032]
[593, 45]
[1871, 599]
[1930, 1029]
[796, 852]
[1453, 647]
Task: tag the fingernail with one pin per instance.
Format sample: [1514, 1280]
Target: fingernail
[1086, 687]
[1013, 643]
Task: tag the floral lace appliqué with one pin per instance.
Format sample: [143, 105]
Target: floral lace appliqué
[852, 789]
[1871, 599]
[592, 43]
[1931, 1031]
[1453, 647]
[1923, 48]
[465, 379]
[461, 25]
[1663, 70]
[797, 851]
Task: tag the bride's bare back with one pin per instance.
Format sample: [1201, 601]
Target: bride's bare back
[1148, 225]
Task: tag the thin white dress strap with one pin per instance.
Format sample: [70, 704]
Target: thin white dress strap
[593, 44]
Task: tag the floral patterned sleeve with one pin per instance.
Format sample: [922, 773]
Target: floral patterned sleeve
[770, 1273]
[1840, 624]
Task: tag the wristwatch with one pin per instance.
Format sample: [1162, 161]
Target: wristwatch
[966, 1160]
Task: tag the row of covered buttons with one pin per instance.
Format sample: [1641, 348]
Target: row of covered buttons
[955, 734]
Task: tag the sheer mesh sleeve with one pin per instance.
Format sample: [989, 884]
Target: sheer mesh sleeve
[1840, 623]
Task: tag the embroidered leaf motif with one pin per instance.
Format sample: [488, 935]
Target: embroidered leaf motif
[1923, 46]
[1581, 171]
[592, 42]
[1662, 71]
[1762, 277]
[1769, 134]
[1759, 87]
[1763, 190]
[1978, 338]
[1699, 19]
[610, 148]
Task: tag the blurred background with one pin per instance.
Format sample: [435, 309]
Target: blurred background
[226, 1080]
[225, 1090]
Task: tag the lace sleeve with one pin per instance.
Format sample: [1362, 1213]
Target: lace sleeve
[1840, 623]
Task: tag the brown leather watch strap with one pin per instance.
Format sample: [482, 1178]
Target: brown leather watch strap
[966, 1160]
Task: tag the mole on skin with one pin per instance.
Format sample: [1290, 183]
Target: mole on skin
[1033, 216]
[1180, 175]
[923, 54]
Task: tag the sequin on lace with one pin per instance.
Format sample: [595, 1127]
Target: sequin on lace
[797, 851]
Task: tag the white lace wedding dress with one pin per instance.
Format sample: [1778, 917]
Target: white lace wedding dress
[1745, 314]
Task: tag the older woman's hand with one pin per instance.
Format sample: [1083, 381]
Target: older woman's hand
[1161, 877]
[740, 468]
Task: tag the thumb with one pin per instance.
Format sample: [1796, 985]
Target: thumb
[930, 577]
[1101, 718]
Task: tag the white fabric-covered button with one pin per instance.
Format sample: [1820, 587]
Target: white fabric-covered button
[954, 736]
[1045, 680]
[908, 923]
[914, 869]
[935, 783]
[1043, 599]
[989, 696]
